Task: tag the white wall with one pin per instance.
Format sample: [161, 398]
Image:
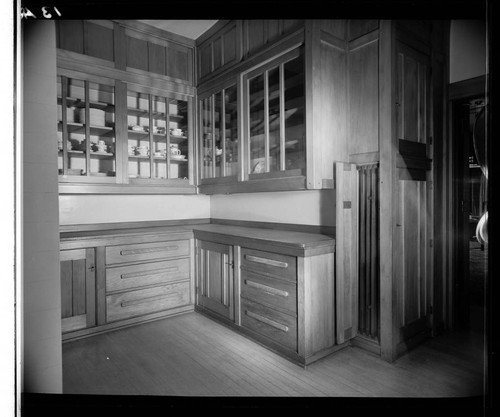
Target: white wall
[41, 360]
[467, 49]
[311, 207]
[86, 209]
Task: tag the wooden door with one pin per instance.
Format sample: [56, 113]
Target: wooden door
[77, 289]
[215, 278]
[412, 231]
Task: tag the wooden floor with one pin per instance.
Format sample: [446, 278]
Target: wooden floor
[191, 355]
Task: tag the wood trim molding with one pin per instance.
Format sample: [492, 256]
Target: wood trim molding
[467, 88]
[130, 225]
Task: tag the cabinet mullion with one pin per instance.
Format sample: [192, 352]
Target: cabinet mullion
[167, 133]
[87, 129]
[266, 119]
[212, 124]
[282, 115]
[223, 131]
[64, 133]
[151, 144]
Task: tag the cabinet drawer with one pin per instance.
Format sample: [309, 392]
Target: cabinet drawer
[269, 263]
[146, 251]
[279, 293]
[280, 327]
[133, 276]
[139, 302]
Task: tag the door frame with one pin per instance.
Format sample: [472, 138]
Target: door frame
[457, 299]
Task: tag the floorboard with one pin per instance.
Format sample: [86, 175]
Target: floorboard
[190, 355]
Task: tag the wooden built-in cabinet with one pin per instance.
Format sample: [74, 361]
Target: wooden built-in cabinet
[125, 109]
[290, 114]
[115, 278]
[215, 278]
[277, 287]
[78, 302]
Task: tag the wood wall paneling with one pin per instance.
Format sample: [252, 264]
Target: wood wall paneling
[156, 58]
[217, 53]
[137, 53]
[253, 35]
[346, 272]
[70, 35]
[178, 63]
[230, 41]
[359, 27]
[363, 98]
[99, 41]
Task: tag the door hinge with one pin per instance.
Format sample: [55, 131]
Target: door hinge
[91, 268]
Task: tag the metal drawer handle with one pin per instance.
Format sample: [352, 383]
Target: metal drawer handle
[272, 262]
[146, 300]
[151, 272]
[148, 250]
[266, 288]
[263, 319]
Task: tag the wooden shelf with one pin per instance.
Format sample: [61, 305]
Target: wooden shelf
[94, 130]
[80, 104]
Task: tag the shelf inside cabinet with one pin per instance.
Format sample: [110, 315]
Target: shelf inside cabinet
[80, 104]
[94, 130]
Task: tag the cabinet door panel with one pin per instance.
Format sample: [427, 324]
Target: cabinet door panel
[215, 278]
[77, 289]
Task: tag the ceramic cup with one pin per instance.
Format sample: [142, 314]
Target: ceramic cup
[174, 150]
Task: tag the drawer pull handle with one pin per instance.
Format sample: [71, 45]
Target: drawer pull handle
[151, 272]
[266, 288]
[146, 300]
[266, 261]
[265, 320]
[148, 250]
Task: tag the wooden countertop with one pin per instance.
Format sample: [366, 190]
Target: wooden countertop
[280, 241]
[275, 240]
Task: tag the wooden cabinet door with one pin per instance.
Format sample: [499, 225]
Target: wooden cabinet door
[77, 289]
[215, 278]
[413, 261]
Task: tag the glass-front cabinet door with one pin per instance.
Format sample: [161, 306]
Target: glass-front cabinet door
[86, 133]
[220, 146]
[157, 134]
[274, 123]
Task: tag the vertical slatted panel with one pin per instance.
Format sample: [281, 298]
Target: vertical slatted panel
[66, 289]
[79, 287]
[368, 251]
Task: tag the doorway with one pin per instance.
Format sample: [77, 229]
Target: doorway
[471, 203]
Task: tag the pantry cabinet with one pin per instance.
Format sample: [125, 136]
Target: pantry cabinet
[126, 114]
[291, 107]
[78, 308]
[275, 286]
[114, 276]
[215, 278]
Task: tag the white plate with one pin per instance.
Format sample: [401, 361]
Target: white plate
[178, 157]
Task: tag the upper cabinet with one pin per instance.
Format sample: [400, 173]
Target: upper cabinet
[291, 114]
[125, 108]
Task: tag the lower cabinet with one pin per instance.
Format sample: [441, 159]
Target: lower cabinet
[123, 280]
[78, 307]
[215, 278]
[274, 292]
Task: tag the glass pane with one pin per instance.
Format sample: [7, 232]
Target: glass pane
[76, 144]
[218, 133]
[274, 119]
[159, 118]
[295, 155]
[206, 132]
[101, 120]
[179, 143]
[138, 117]
[256, 124]
[231, 121]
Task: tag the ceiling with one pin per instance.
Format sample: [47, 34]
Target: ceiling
[191, 29]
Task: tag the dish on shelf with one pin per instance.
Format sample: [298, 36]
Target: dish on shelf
[178, 157]
[101, 153]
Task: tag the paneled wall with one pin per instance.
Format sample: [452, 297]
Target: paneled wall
[41, 335]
